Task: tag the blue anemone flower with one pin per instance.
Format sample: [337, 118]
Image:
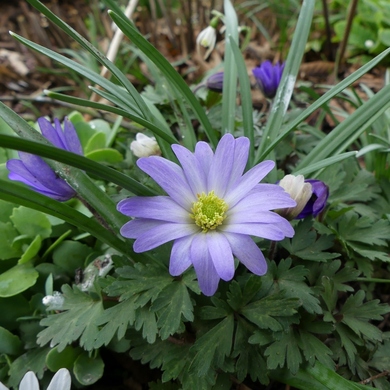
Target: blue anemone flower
[211, 210]
[33, 171]
[268, 77]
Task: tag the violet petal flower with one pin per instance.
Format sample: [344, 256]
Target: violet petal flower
[317, 202]
[211, 209]
[268, 77]
[215, 82]
[36, 173]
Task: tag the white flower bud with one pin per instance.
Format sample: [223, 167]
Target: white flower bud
[145, 146]
[53, 302]
[300, 191]
[207, 38]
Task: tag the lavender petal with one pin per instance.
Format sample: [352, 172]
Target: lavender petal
[248, 253]
[222, 165]
[170, 177]
[208, 278]
[161, 208]
[221, 255]
[248, 182]
[263, 230]
[72, 140]
[204, 155]
[52, 134]
[180, 256]
[161, 234]
[192, 169]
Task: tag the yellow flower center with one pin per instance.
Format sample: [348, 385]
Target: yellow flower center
[209, 211]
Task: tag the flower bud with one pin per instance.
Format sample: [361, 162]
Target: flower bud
[208, 37]
[215, 82]
[268, 77]
[145, 146]
[54, 302]
[299, 190]
[317, 201]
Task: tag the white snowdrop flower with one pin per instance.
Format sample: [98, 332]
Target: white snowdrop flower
[144, 146]
[369, 43]
[208, 37]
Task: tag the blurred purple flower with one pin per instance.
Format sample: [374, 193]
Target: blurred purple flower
[36, 173]
[268, 77]
[211, 211]
[317, 202]
[215, 82]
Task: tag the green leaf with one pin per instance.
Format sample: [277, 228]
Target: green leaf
[213, 347]
[347, 185]
[7, 248]
[368, 253]
[171, 357]
[97, 141]
[307, 245]
[17, 279]
[105, 156]
[291, 281]
[249, 357]
[6, 209]
[64, 359]
[144, 281]
[16, 193]
[145, 319]
[363, 230]
[333, 272]
[10, 344]
[70, 255]
[265, 312]
[116, 319]
[314, 349]
[38, 224]
[356, 315]
[77, 321]
[381, 357]
[348, 340]
[172, 303]
[87, 369]
[33, 360]
[283, 351]
[31, 250]
[12, 309]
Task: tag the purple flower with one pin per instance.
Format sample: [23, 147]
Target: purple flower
[268, 77]
[211, 211]
[36, 173]
[215, 82]
[317, 202]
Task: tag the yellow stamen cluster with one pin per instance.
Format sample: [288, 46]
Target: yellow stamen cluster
[209, 211]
